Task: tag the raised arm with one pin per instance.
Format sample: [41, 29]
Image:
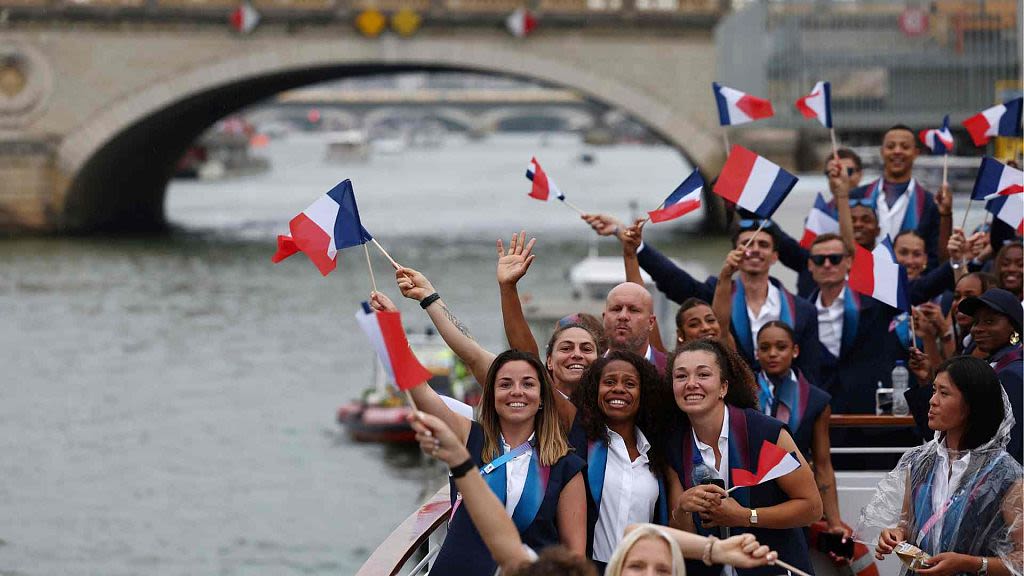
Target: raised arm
[488, 514]
[512, 265]
[426, 398]
[631, 238]
[722, 303]
[415, 286]
[839, 185]
[944, 204]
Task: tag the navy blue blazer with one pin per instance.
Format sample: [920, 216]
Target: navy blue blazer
[927, 218]
[678, 285]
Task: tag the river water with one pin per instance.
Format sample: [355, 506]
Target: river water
[168, 403]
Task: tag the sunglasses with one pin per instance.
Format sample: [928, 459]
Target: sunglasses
[866, 202]
[749, 224]
[850, 171]
[819, 259]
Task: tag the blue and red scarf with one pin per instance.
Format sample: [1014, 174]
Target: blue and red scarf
[789, 402]
[915, 203]
[597, 463]
[741, 321]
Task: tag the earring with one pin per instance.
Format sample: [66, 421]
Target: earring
[1015, 338]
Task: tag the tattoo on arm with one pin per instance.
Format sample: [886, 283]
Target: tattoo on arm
[456, 322]
[825, 487]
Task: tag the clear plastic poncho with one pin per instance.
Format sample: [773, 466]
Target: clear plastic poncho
[982, 516]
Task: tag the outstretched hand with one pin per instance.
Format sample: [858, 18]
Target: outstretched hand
[413, 284]
[378, 301]
[743, 551]
[632, 237]
[603, 224]
[513, 263]
[437, 439]
[944, 201]
[838, 179]
[732, 262]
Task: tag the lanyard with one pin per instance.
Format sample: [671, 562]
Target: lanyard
[505, 458]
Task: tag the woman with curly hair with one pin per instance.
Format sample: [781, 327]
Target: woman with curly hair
[724, 432]
[618, 425]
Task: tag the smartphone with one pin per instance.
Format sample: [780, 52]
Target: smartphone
[830, 542]
[716, 481]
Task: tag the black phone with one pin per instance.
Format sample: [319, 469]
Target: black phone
[716, 481]
[831, 542]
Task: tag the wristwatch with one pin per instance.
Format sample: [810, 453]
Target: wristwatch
[984, 567]
[753, 516]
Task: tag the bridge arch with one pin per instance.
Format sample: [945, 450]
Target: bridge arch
[109, 160]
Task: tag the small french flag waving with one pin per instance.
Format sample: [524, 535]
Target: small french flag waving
[773, 462]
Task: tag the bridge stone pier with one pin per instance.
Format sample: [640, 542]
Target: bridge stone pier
[95, 113]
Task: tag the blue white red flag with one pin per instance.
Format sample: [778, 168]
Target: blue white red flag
[735, 107]
[386, 334]
[328, 225]
[542, 185]
[818, 104]
[938, 140]
[877, 274]
[996, 179]
[1001, 120]
[753, 183]
[683, 200]
[1009, 209]
[821, 220]
[773, 461]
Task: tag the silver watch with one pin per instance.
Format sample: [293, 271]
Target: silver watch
[984, 567]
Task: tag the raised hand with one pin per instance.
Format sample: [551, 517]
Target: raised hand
[920, 366]
[732, 262]
[437, 439]
[378, 301]
[603, 224]
[980, 246]
[838, 180]
[632, 237]
[513, 264]
[957, 246]
[944, 201]
[413, 284]
[743, 551]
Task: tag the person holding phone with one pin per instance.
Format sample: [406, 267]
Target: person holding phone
[724, 431]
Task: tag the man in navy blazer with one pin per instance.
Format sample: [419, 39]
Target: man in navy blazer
[765, 298]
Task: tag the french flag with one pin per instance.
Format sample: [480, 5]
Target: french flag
[1001, 120]
[818, 104]
[772, 462]
[1009, 209]
[877, 274]
[996, 179]
[735, 107]
[683, 200]
[542, 185]
[753, 183]
[938, 140]
[820, 221]
[386, 334]
[328, 225]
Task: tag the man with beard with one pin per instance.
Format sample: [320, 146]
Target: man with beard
[628, 320]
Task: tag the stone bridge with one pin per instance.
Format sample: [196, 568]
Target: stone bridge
[97, 102]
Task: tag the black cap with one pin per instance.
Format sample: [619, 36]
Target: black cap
[996, 299]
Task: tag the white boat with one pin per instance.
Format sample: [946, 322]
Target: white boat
[347, 146]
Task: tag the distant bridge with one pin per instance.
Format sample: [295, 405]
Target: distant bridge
[99, 100]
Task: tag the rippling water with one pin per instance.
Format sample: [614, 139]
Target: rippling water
[168, 404]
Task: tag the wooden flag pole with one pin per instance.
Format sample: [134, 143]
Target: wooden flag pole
[945, 170]
[913, 331]
[966, 212]
[725, 138]
[835, 147]
[386, 255]
[373, 281]
[756, 232]
[408, 396]
[791, 568]
[573, 206]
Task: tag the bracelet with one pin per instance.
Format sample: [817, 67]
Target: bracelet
[460, 470]
[429, 300]
[706, 557]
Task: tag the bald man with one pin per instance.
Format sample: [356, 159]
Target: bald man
[628, 320]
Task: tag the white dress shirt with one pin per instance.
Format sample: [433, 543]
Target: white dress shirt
[629, 495]
[515, 475]
[707, 453]
[770, 310]
[830, 323]
[890, 220]
[945, 484]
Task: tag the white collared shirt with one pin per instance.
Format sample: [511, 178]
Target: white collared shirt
[707, 454]
[944, 487]
[770, 310]
[629, 495]
[890, 220]
[515, 475]
[830, 323]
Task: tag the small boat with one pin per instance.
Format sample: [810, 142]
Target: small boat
[347, 146]
[380, 413]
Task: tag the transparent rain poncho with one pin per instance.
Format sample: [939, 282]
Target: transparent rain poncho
[983, 516]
